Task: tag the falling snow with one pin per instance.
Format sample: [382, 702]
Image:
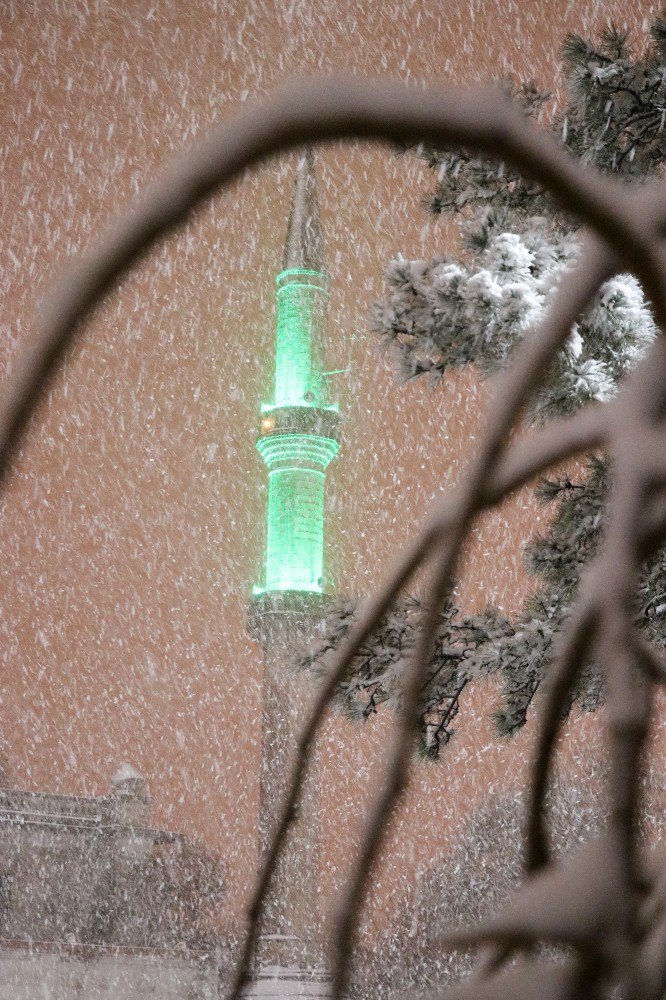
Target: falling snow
[132, 525]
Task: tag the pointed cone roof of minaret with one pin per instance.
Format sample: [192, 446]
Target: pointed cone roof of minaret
[304, 246]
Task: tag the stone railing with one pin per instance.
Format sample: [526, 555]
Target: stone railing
[20, 807]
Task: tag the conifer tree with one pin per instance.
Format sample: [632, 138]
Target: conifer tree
[475, 308]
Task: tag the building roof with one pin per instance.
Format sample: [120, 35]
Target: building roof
[304, 245]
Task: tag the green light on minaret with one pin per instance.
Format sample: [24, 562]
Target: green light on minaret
[299, 426]
[302, 298]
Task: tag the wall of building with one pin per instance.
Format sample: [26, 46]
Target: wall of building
[95, 902]
[102, 974]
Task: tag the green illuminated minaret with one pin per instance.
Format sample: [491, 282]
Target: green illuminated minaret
[298, 439]
[299, 426]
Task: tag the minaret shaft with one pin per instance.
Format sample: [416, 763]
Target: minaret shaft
[296, 503]
[301, 314]
[290, 931]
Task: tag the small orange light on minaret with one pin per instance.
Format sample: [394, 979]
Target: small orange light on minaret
[267, 425]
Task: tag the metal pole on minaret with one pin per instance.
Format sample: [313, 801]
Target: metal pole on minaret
[298, 439]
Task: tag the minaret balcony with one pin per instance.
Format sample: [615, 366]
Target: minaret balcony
[318, 421]
[297, 451]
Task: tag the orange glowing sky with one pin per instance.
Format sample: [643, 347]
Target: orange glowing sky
[131, 529]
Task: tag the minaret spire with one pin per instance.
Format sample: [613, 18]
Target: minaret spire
[298, 439]
[304, 245]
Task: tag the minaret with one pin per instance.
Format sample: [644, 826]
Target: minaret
[298, 439]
